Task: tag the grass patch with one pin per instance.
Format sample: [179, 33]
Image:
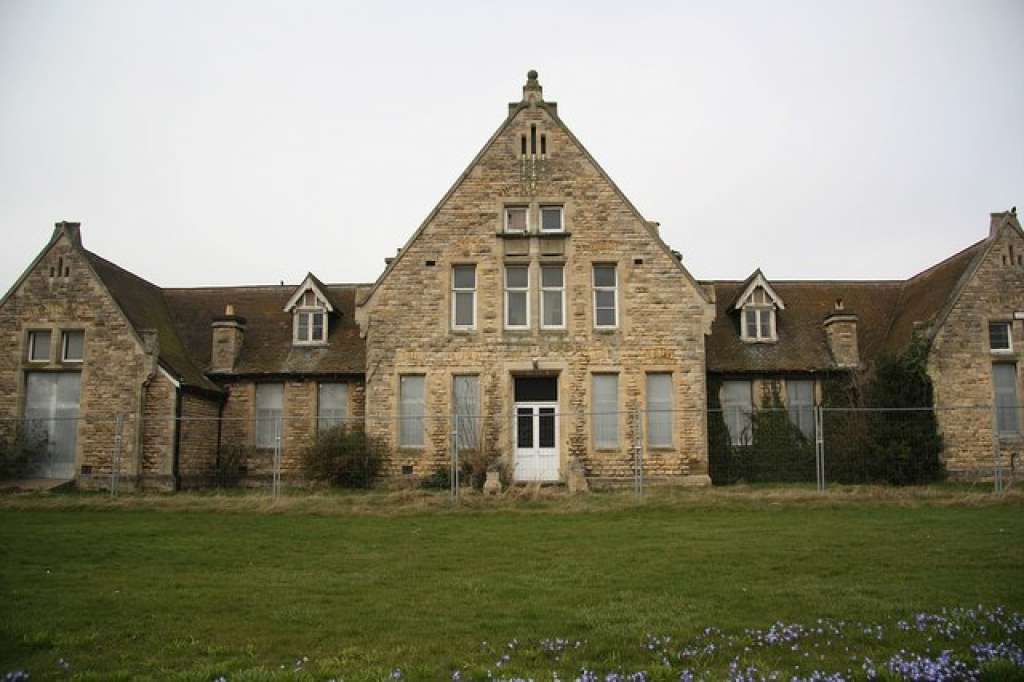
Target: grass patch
[193, 586]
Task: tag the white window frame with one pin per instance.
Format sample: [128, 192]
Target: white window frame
[33, 337]
[560, 290]
[64, 335]
[422, 418]
[325, 422]
[524, 290]
[561, 217]
[1014, 406]
[740, 433]
[614, 416]
[463, 290]
[1009, 337]
[614, 289]
[662, 413]
[798, 410]
[517, 207]
[306, 311]
[467, 424]
[758, 311]
[276, 417]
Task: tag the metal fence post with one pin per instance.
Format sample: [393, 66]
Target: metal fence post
[276, 475]
[819, 447]
[638, 453]
[453, 464]
[115, 459]
[998, 485]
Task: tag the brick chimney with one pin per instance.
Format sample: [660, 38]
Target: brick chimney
[841, 334]
[228, 333]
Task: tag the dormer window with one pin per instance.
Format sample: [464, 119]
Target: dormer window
[309, 307]
[757, 306]
[310, 320]
[759, 318]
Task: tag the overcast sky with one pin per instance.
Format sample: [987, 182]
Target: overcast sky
[250, 142]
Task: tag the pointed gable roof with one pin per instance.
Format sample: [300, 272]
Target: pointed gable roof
[532, 97]
[889, 312]
[750, 285]
[319, 288]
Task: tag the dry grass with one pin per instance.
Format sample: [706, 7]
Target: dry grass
[518, 499]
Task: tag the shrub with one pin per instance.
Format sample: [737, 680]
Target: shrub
[231, 463]
[343, 456]
[19, 448]
[441, 479]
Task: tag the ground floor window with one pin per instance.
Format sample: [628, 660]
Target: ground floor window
[269, 413]
[606, 410]
[800, 403]
[411, 409]
[736, 409]
[1004, 378]
[332, 406]
[51, 420]
[466, 408]
[659, 410]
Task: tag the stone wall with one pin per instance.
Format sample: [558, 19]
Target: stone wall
[160, 398]
[199, 438]
[300, 403]
[115, 364]
[961, 361]
[662, 316]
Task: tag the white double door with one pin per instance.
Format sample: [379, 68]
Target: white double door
[536, 441]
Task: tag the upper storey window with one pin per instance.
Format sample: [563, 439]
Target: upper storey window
[759, 318]
[310, 320]
[464, 296]
[551, 219]
[309, 307]
[1000, 337]
[516, 218]
[758, 305]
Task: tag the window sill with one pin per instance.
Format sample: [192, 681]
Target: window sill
[526, 235]
[606, 330]
[461, 331]
[307, 344]
[754, 341]
[1011, 438]
[661, 449]
[607, 450]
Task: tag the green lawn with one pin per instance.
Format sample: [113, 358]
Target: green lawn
[193, 587]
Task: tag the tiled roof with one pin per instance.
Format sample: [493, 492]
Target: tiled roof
[144, 305]
[801, 346]
[267, 347]
[887, 312]
[182, 319]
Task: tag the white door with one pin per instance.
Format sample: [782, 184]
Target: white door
[536, 446]
[51, 421]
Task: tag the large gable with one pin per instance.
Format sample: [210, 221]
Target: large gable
[534, 136]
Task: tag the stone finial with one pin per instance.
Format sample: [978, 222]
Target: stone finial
[229, 310]
[532, 91]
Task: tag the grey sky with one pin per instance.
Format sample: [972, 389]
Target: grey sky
[250, 142]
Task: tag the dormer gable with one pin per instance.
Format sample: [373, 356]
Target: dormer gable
[758, 305]
[310, 307]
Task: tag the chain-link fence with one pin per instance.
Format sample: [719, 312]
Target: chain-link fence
[535, 443]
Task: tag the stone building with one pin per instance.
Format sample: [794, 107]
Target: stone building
[535, 294]
[534, 321]
[189, 371]
[774, 344]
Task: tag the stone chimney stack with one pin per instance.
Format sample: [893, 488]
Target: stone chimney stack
[228, 334]
[841, 334]
[997, 220]
[72, 230]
